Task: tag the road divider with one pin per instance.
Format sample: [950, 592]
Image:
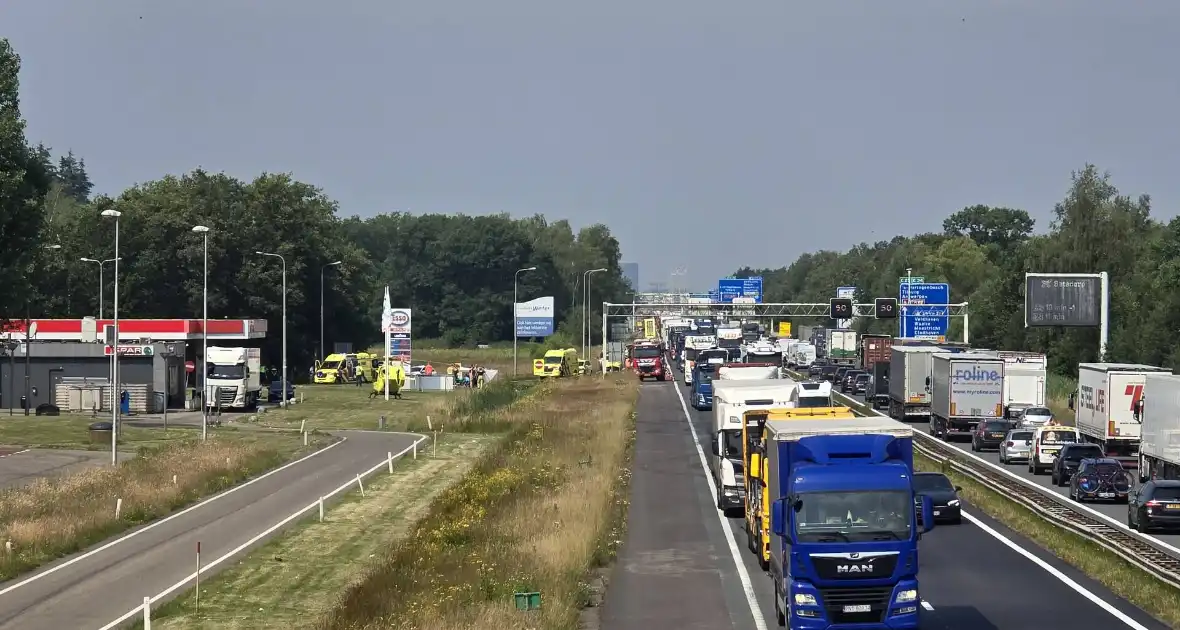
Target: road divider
[1152, 556]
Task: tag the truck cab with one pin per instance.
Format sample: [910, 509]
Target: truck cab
[844, 548]
[648, 359]
[233, 377]
[702, 386]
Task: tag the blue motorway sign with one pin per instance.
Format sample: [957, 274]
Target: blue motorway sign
[730, 288]
[921, 322]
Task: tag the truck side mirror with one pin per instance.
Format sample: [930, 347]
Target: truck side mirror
[716, 449]
[777, 526]
[927, 514]
[1072, 397]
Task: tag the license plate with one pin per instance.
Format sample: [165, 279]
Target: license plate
[858, 608]
[998, 435]
[1173, 506]
[936, 512]
[1105, 495]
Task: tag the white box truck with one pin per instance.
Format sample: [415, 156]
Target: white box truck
[1105, 404]
[731, 399]
[233, 379]
[965, 389]
[1159, 444]
[909, 381]
[1025, 378]
[748, 372]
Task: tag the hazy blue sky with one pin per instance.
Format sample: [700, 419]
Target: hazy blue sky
[706, 134]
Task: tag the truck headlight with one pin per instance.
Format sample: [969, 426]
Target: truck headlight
[953, 503]
[805, 599]
[908, 595]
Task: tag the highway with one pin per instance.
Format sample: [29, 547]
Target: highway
[89, 590]
[678, 568]
[1115, 511]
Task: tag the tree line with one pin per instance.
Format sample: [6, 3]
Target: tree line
[983, 252]
[455, 271]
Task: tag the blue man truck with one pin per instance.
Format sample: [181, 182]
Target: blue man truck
[702, 385]
[844, 527]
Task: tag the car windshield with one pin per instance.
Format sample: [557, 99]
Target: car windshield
[844, 516]
[1083, 452]
[1058, 437]
[646, 352]
[1019, 436]
[932, 482]
[862, 377]
[1166, 494]
[330, 365]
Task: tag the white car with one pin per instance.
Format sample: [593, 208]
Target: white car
[1034, 417]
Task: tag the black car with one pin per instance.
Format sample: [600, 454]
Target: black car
[942, 493]
[861, 385]
[848, 381]
[1155, 505]
[1101, 479]
[1069, 458]
[838, 376]
[989, 434]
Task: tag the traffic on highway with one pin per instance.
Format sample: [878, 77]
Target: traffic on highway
[816, 485]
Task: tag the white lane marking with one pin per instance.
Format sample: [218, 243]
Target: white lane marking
[155, 524]
[138, 610]
[1065, 579]
[927, 606]
[743, 575]
[16, 453]
[1050, 569]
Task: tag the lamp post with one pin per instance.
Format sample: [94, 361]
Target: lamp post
[586, 311]
[323, 350]
[283, 402]
[100, 264]
[204, 374]
[30, 332]
[515, 278]
[115, 214]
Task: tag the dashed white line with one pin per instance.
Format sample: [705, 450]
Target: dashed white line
[743, 574]
[927, 606]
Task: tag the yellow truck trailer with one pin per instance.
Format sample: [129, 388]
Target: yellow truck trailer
[757, 472]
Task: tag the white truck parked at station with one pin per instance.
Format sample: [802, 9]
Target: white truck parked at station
[1159, 445]
[1105, 404]
[233, 377]
[731, 399]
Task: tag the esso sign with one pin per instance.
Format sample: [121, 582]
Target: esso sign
[400, 318]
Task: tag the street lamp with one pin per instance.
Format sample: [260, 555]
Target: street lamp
[586, 312]
[515, 278]
[100, 264]
[323, 351]
[115, 214]
[204, 232]
[284, 400]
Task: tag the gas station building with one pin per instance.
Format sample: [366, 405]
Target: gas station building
[67, 362]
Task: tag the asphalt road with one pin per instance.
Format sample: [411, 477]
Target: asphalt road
[1116, 511]
[676, 571]
[91, 589]
[27, 465]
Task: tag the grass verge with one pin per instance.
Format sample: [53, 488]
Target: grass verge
[291, 580]
[536, 514]
[72, 432]
[1122, 578]
[50, 518]
[327, 407]
[1057, 391]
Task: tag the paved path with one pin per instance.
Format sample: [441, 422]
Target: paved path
[91, 589]
[27, 465]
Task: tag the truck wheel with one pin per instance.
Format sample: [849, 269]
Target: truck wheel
[749, 538]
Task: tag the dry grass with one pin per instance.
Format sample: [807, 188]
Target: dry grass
[298, 576]
[1121, 577]
[536, 514]
[50, 518]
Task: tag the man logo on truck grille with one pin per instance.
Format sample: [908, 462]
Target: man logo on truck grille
[1135, 392]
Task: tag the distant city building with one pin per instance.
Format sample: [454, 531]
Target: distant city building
[631, 273]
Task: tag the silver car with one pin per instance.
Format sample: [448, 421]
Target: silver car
[1016, 446]
[1034, 417]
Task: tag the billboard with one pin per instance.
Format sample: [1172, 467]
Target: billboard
[919, 322]
[1060, 299]
[730, 288]
[849, 293]
[535, 317]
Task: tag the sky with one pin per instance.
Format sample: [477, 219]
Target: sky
[707, 135]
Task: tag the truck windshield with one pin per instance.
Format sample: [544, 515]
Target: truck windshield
[850, 516]
[811, 402]
[330, 365]
[227, 371]
[646, 352]
[729, 343]
[732, 445]
[690, 354]
[775, 358]
[552, 360]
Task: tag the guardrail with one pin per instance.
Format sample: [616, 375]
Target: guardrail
[1059, 511]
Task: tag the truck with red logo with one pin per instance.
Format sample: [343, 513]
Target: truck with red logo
[1105, 406]
[648, 359]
